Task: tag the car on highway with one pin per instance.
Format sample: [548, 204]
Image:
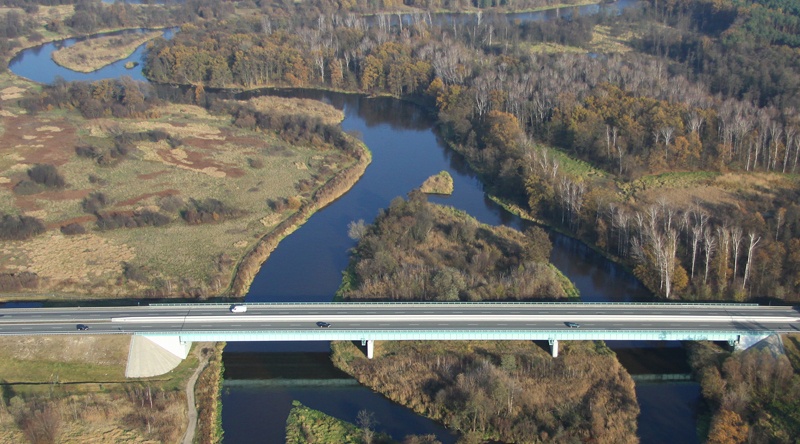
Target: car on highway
[572, 324]
[237, 308]
[82, 327]
[323, 324]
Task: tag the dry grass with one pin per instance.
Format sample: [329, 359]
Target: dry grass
[281, 106]
[681, 190]
[92, 54]
[555, 48]
[441, 183]
[63, 359]
[213, 161]
[608, 40]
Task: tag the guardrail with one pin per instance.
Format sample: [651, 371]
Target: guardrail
[645, 304]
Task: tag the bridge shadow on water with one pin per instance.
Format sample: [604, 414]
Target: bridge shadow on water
[281, 366]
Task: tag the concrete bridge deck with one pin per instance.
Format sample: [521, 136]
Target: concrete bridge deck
[174, 326]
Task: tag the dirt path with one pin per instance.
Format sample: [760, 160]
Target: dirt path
[191, 408]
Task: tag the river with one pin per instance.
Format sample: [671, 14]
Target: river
[406, 150]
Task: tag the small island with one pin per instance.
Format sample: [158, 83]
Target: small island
[95, 53]
[441, 183]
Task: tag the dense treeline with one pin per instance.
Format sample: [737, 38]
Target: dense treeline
[123, 98]
[739, 49]
[753, 395]
[419, 251]
[504, 391]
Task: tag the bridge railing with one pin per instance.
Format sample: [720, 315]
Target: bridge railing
[549, 303]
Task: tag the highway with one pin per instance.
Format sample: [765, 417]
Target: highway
[399, 317]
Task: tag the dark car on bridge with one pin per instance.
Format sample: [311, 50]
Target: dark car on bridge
[82, 327]
[323, 324]
[572, 324]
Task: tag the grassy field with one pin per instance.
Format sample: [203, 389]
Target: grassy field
[244, 169]
[92, 54]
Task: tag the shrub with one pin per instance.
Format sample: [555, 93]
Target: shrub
[72, 229]
[209, 211]
[18, 281]
[95, 202]
[145, 218]
[88, 151]
[97, 180]
[133, 272]
[19, 227]
[256, 163]
[294, 202]
[47, 175]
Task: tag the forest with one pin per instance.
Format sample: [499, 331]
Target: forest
[753, 395]
[417, 251]
[663, 107]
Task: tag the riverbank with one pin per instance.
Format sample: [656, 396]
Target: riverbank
[250, 265]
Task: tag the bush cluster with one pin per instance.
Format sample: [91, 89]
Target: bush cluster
[19, 227]
[47, 175]
[95, 202]
[73, 229]
[208, 211]
[18, 281]
[112, 221]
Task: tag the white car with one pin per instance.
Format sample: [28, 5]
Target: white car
[238, 308]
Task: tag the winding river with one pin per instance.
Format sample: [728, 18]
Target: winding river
[406, 150]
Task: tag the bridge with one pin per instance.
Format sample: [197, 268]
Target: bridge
[173, 327]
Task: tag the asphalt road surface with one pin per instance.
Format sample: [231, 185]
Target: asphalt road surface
[399, 316]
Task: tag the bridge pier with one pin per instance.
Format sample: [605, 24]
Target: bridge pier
[370, 347]
[553, 347]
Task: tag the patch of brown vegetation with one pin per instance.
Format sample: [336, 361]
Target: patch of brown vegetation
[441, 183]
[66, 259]
[26, 141]
[11, 93]
[285, 106]
[137, 199]
[94, 349]
[511, 391]
[92, 54]
[686, 197]
[207, 399]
